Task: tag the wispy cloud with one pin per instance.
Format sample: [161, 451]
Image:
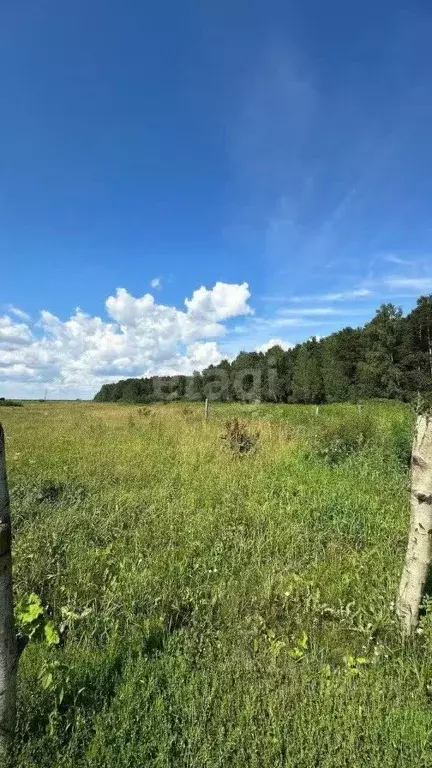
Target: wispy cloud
[17, 312]
[393, 258]
[156, 282]
[276, 105]
[357, 293]
[261, 323]
[414, 284]
[305, 311]
[381, 287]
[319, 186]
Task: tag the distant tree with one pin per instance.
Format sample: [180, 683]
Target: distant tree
[308, 385]
[247, 376]
[117, 390]
[340, 354]
[131, 391]
[417, 348]
[146, 391]
[105, 394]
[181, 387]
[380, 372]
[277, 375]
[216, 382]
[194, 387]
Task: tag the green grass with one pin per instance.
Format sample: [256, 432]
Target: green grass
[215, 610]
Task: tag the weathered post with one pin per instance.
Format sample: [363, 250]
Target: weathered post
[206, 409]
[419, 550]
[8, 641]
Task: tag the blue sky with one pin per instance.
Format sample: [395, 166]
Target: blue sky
[281, 145]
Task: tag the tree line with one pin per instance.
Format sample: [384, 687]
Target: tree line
[389, 357]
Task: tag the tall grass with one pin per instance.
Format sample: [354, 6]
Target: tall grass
[213, 609]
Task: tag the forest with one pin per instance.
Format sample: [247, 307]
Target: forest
[389, 357]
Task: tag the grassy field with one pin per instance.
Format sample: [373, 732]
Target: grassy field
[189, 606]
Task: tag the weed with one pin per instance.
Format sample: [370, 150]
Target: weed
[339, 439]
[51, 492]
[144, 412]
[240, 438]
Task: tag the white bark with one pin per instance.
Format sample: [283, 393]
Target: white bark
[419, 549]
[8, 642]
[429, 347]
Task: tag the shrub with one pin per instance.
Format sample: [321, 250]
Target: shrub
[10, 403]
[239, 438]
[144, 411]
[339, 439]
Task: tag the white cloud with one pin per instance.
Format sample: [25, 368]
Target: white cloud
[415, 284]
[128, 310]
[223, 301]
[19, 313]
[200, 355]
[271, 325]
[140, 338]
[13, 334]
[322, 312]
[156, 282]
[274, 343]
[305, 311]
[357, 293]
[300, 322]
[393, 258]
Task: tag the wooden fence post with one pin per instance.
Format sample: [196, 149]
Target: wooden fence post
[419, 550]
[8, 640]
[206, 409]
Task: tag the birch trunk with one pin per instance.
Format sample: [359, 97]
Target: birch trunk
[429, 348]
[8, 642]
[419, 549]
